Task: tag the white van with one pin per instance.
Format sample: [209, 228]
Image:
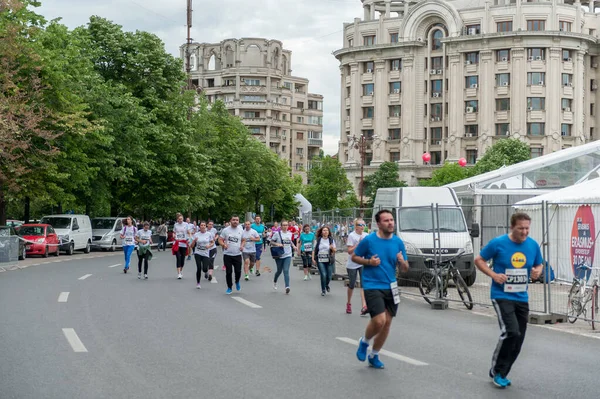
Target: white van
[106, 233]
[416, 225]
[74, 231]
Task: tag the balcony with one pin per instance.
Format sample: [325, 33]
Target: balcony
[435, 141]
[502, 115]
[315, 142]
[255, 121]
[537, 89]
[367, 122]
[253, 89]
[274, 138]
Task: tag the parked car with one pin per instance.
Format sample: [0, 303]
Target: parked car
[41, 239]
[106, 233]
[74, 231]
[9, 248]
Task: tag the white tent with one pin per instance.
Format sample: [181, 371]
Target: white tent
[567, 225]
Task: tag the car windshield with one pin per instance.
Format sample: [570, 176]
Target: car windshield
[4, 232]
[103, 223]
[31, 231]
[57, 222]
[419, 220]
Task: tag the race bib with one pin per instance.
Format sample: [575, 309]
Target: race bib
[233, 239]
[202, 247]
[516, 280]
[308, 247]
[249, 244]
[395, 292]
[180, 236]
[286, 244]
[128, 240]
[323, 257]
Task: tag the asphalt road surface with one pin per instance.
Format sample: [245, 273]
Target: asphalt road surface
[79, 328]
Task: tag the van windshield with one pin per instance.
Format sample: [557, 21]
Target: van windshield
[57, 222]
[103, 223]
[419, 220]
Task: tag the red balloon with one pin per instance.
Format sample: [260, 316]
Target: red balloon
[426, 157]
[462, 162]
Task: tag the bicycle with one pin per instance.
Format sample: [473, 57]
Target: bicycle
[440, 277]
[581, 294]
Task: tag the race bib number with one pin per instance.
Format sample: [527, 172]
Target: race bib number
[286, 244]
[202, 246]
[323, 257]
[128, 240]
[308, 247]
[180, 236]
[233, 239]
[395, 292]
[249, 244]
[516, 280]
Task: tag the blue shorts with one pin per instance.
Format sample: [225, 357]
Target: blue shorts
[259, 250]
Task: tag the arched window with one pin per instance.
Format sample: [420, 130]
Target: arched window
[253, 56]
[436, 42]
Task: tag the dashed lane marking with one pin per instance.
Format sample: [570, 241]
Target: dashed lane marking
[247, 303]
[63, 297]
[84, 277]
[384, 352]
[74, 340]
[118, 264]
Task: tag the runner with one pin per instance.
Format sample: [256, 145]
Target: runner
[380, 253]
[283, 239]
[295, 230]
[203, 241]
[162, 232]
[128, 233]
[189, 237]
[306, 241]
[143, 238]
[354, 269]
[212, 252]
[515, 257]
[323, 256]
[259, 227]
[232, 242]
[180, 231]
[251, 237]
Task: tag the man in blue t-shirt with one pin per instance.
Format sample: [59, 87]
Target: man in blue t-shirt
[379, 253]
[260, 229]
[515, 258]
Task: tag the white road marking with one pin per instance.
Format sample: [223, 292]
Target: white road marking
[384, 352]
[84, 277]
[118, 264]
[63, 297]
[74, 340]
[247, 303]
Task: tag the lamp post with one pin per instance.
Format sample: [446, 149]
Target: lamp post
[360, 143]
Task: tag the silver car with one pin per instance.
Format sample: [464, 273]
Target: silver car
[106, 233]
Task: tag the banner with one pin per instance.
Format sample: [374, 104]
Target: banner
[583, 242]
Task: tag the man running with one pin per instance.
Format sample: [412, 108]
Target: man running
[354, 269]
[516, 257]
[259, 227]
[380, 253]
[251, 237]
[232, 242]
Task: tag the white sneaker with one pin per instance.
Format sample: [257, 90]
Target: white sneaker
[145, 277]
[275, 286]
[198, 286]
[139, 276]
[179, 276]
[214, 280]
[306, 278]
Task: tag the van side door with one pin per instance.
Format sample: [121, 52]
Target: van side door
[76, 233]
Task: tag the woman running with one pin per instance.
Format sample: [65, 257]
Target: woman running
[283, 238]
[323, 256]
[306, 240]
[181, 231]
[203, 241]
[128, 233]
[143, 239]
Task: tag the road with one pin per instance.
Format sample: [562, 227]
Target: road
[114, 336]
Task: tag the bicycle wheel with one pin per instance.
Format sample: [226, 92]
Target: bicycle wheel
[594, 306]
[463, 291]
[427, 286]
[574, 304]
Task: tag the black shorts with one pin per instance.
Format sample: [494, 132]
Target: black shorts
[378, 301]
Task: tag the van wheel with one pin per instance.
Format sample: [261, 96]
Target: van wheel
[470, 279]
[113, 246]
[71, 249]
[88, 248]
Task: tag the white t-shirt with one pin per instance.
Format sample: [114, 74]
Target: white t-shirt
[144, 235]
[202, 243]
[129, 232]
[250, 245]
[233, 238]
[354, 239]
[214, 232]
[287, 242]
[323, 255]
[180, 231]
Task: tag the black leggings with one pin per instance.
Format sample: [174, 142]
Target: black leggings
[203, 263]
[145, 259]
[306, 259]
[212, 254]
[181, 254]
[232, 263]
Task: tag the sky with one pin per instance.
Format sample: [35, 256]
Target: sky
[311, 29]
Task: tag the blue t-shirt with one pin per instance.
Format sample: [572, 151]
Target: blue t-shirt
[380, 277]
[260, 229]
[514, 260]
[307, 239]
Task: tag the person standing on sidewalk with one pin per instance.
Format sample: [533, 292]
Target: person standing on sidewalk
[232, 242]
[323, 256]
[306, 242]
[203, 240]
[162, 232]
[143, 239]
[180, 231]
[128, 233]
[251, 237]
[516, 257]
[354, 269]
[379, 253]
[283, 238]
[260, 228]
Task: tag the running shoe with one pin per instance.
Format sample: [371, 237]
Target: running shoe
[179, 276]
[305, 278]
[275, 286]
[213, 281]
[287, 290]
[252, 270]
[364, 311]
[500, 381]
[327, 288]
[229, 291]
[237, 287]
[198, 286]
[375, 362]
[210, 277]
[361, 352]
[206, 276]
[125, 270]
[189, 257]
[139, 276]
[246, 277]
[349, 308]
[322, 293]
[257, 273]
[224, 268]
[145, 277]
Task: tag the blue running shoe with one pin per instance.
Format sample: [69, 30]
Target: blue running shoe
[237, 286]
[500, 381]
[228, 292]
[375, 362]
[361, 352]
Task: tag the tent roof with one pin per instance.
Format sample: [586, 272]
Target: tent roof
[582, 193]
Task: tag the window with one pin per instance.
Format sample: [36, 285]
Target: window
[566, 104]
[471, 81]
[471, 157]
[394, 110]
[592, 109]
[436, 136]
[252, 82]
[254, 98]
[536, 78]
[251, 114]
[287, 85]
[299, 135]
[369, 40]
[312, 104]
[436, 42]
[537, 152]
[567, 79]
[393, 38]
[300, 104]
[436, 111]
[284, 117]
[471, 106]
[229, 82]
[396, 65]
[564, 26]
[368, 89]
[369, 67]
[395, 87]
[394, 134]
[536, 25]
[437, 63]
[503, 79]
[436, 157]
[536, 103]
[368, 133]
[368, 158]
[566, 55]
[505, 26]
[368, 112]
[350, 42]
[210, 82]
[315, 120]
[299, 166]
[502, 55]
[299, 119]
[255, 130]
[565, 129]
[299, 151]
[502, 129]
[472, 58]
[503, 104]
[314, 135]
[394, 156]
[471, 130]
[536, 54]
[473, 29]
[436, 86]
[535, 129]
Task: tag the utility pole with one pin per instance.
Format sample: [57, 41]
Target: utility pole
[188, 54]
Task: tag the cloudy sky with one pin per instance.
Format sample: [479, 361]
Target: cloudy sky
[311, 29]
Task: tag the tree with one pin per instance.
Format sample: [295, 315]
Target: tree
[385, 176]
[505, 152]
[449, 173]
[328, 185]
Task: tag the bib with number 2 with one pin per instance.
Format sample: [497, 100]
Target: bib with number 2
[395, 292]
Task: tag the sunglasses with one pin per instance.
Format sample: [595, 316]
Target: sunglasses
[360, 224]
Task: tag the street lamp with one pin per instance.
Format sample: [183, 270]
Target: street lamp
[360, 143]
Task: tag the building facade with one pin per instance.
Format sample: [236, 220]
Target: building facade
[253, 78]
[450, 78]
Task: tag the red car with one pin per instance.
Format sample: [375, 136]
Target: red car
[41, 239]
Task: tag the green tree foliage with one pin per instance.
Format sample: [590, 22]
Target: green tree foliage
[328, 185]
[449, 173]
[387, 175]
[505, 152]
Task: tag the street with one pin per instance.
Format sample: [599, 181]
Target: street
[79, 328]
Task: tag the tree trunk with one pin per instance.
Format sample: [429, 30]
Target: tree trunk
[27, 210]
[88, 207]
[59, 209]
[2, 206]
